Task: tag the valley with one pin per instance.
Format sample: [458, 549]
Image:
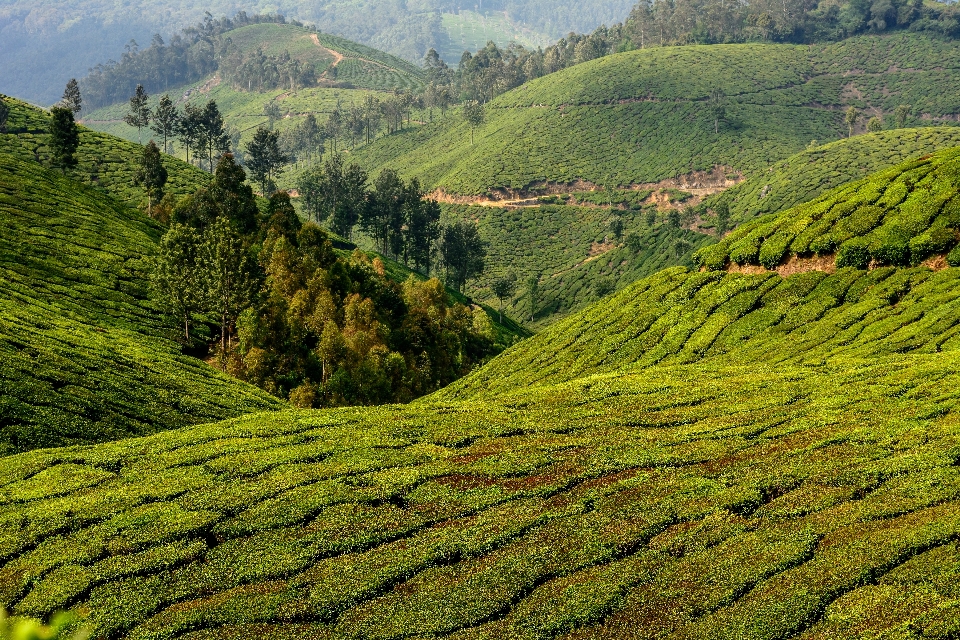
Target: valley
[647, 342]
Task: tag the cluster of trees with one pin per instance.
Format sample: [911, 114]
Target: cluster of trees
[199, 129]
[396, 214]
[190, 55]
[259, 72]
[298, 319]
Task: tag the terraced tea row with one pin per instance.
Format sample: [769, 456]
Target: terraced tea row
[691, 501]
[679, 317]
[808, 174]
[900, 216]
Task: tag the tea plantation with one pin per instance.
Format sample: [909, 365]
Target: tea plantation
[704, 455]
[900, 216]
[698, 501]
[804, 176]
[573, 252]
[84, 355]
[646, 115]
[348, 73]
[103, 161]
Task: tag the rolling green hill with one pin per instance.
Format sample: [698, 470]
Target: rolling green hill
[901, 216]
[804, 176]
[646, 115]
[103, 161]
[347, 73]
[704, 455]
[573, 253]
[84, 354]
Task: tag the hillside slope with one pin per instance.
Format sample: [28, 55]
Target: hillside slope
[805, 175]
[705, 455]
[347, 73]
[85, 355]
[901, 216]
[646, 115]
[103, 161]
[831, 305]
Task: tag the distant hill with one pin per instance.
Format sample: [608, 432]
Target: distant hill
[46, 44]
[346, 74]
[646, 115]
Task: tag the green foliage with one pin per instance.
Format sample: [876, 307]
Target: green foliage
[85, 355]
[708, 499]
[568, 249]
[638, 117]
[804, 176]
[896, 217]
[62, 627]
[64, 138]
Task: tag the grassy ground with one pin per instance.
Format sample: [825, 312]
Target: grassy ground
[85, 355]
[704, 455]
[643, 116]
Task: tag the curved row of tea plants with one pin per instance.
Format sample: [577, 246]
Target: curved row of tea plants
[646, 115]
[84, 353]
[900, 216]
[694, 502]
[804, 176]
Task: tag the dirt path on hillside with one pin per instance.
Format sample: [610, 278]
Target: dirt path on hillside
[699, 184]
[337, 56]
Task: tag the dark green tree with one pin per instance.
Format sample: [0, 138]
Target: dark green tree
[673, 218]
[503, 287]
[175, 276]
[850, 117]
[474, 115]
[189, 129]
[71, 97]
[463, 253]
[227, 196]
[533, 295]
[151, 175]
[64, 138]
[272, 111]
[265, 159]
[4, 115]
[213, 133]
[166, 120]
[616, 227]
[228, 277]
[384, 210]
[423, 231]
[139, 115]
[722, 213]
